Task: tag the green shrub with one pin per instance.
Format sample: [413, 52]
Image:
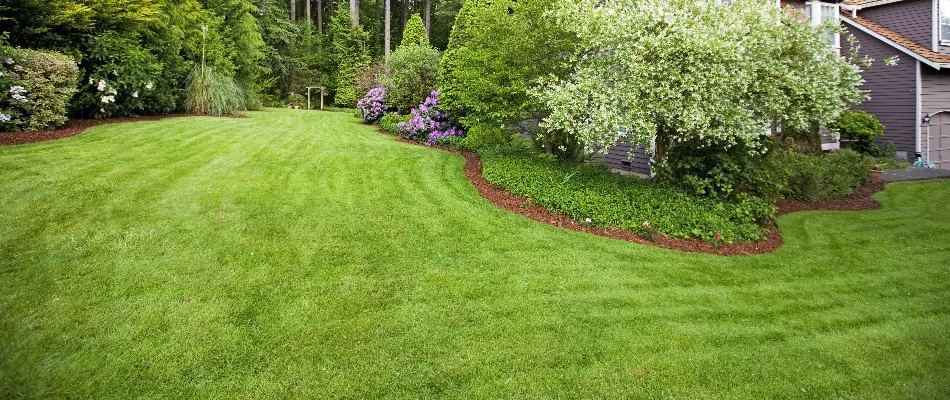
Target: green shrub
[123, 78]
[498, 50]
[296, 99]
[861, 129]
[352, 52]
[487, 137]
[726, 171]
[390, 121]
[818, 177]
[36, 87]
[211, 93]
[413, 72]
[583, 191]
[415, 32]
[453, 141]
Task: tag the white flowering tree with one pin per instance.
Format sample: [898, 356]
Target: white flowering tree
[666, 72]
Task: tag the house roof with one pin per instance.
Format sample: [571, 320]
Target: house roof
[898, 41]
[859, 4]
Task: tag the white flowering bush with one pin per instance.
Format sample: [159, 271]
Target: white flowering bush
[122, 78]
[669, 74]
[35, 87]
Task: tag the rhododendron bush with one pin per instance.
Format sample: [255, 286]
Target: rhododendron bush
[373, 105]
[428, 124]
[668, 73]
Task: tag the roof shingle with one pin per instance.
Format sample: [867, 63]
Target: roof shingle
[898, 38]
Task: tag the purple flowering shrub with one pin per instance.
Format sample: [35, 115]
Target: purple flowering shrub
[373, 105]
[428, 124]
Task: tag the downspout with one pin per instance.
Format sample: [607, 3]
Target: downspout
[919, 111]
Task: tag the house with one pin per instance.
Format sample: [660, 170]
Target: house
[912, 97]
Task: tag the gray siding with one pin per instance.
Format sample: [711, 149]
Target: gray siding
[935, 90]
[912, 18]
[620, 157]
[893, 91]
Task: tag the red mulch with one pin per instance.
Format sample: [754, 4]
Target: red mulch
[859, 200]
[77, 126]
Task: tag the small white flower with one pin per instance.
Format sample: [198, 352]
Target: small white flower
[135, 94]
[108, 99]
[4, 118]
[587, 220]
[148, 86]
[92, 81]
[9, 60]
[102, 85]
[102, 110]
[115, 73]
[113, 92]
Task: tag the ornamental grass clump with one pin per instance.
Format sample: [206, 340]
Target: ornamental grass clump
[373, 106]
[428, 124]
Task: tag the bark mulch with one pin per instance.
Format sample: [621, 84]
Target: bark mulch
[859, 200]
[76, 126]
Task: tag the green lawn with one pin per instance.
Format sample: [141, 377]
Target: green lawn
[300, 254]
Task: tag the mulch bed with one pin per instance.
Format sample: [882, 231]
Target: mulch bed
[77, 126]
[859, 200]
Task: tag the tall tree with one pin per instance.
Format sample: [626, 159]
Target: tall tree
[355, 13]
[306, 11]
[428, 17]
[293, 10]
[320, 16]
[386, 28]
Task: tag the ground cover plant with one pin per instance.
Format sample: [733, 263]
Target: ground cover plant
[592, 194]
[302, 254]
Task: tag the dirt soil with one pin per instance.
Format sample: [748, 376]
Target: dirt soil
[859, 200]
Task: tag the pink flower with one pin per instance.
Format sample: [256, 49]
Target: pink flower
[646, 224]
[717, 236]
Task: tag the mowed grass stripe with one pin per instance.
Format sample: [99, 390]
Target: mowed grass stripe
[301, 254]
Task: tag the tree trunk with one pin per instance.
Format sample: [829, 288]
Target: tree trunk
[306, 11]
[355, 13]
[386, 28]
[428, 18]
[320, 16]
[293, 10]
[405, 14]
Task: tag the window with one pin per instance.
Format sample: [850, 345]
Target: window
[818, 13]
[945, 22]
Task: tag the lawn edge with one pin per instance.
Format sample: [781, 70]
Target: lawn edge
[860, 200]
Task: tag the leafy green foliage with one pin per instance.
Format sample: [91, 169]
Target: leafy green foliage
[664, 72]
[583, 191]
[57, 24]
[123, 78]
[390, 122]
[819, 177]
[497, 51]
[209, 92]
[35, 87]
[352, 53]
[726, 171]
[413, 72]
[415, 32]
[490, 137]
[861, 129]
